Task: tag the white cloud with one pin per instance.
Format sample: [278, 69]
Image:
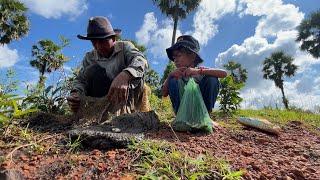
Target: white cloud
[8, 57]
[208, 12]
[280, 21]
[149, 26]
[57, 8]
[275, 16]
[156, 36]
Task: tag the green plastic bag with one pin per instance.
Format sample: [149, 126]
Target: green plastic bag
[192, 114]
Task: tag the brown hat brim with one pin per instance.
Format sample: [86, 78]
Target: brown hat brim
[95, 37]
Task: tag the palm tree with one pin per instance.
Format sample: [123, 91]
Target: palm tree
[48, 57]
[309, 34]
[275, 67]
[177, 10]
[238, 73]
[13, 21]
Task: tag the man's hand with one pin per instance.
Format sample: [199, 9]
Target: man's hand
[118, 92]
[74, 101]
[191, 72]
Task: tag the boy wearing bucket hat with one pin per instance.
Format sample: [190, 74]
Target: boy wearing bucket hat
[185, 55]
[113, 68]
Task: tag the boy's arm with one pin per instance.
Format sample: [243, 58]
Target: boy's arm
[177, 74]
[219, 73]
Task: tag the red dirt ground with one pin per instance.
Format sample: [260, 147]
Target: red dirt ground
[295, 154]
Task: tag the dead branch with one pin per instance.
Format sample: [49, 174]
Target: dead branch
[26, 145]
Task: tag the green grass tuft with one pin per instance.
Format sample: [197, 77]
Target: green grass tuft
[163, 108]
[282, 117]
[161, 160]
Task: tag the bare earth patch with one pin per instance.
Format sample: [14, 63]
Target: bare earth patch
[295, 154]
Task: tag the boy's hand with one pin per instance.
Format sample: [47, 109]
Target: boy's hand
[191, 72]
[178, 73]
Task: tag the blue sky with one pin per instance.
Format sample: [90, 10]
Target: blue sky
[246, 31]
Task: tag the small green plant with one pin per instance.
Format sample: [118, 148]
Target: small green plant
[161, 160]
[25, 134]
[73, 145]
[229, 95]
[38, 148]
[10, 108]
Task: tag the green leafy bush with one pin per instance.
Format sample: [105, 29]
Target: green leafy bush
[152, 78]
[50, 100]
[162, 106]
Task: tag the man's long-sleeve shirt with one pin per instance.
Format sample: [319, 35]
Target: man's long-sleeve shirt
[125, 57]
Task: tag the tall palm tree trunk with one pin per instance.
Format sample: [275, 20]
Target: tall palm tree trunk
[41, 81]
[284, 99]
[175, 25]
[42, 71]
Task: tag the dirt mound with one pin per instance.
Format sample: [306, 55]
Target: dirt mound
[46, 122]
[119, 132]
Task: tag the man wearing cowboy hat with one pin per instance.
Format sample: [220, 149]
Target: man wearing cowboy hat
[113, 68]
[185, 55]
